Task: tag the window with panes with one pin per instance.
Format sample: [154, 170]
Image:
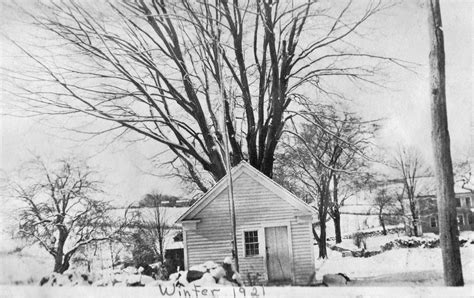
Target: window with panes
[251, 243]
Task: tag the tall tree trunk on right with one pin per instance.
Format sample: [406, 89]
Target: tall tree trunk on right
[448, 230]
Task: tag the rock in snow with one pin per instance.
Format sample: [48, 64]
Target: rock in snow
[130, 270]
[335, 280]
[206, 280]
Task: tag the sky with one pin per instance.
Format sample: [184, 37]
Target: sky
[404, 104]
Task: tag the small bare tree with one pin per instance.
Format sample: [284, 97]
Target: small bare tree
[384, 202]
[464, 175]
[153, 225]
[410, 166]
[59, 210]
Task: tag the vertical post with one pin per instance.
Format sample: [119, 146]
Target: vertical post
[230, 188]
[448, 231]
[231, 199]
[471, 143]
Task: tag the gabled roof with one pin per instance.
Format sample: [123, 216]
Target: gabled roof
[237, 171]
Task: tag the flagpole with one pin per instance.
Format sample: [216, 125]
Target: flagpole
[228, 165]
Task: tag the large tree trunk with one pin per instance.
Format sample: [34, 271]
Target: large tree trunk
[322, 240]
[60, 266]
[337, 225]
[315, 234]
[414, 216]
[58, 263]
[448, 230]
[61, 263]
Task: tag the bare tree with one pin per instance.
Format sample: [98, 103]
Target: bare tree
[384, 203]
[325, 146]
[388, 199]
[153, 225]
[340, 193]
[410, 166]
[464, 175]
[157, 68]
[402, 214]
[59, 210]
[353, 136]
[442, 153]
[301, 171]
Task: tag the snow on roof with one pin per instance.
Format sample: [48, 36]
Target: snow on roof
[169, 242]
[459, 190]
[427, 186]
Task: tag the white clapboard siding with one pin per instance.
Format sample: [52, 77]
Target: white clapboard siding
[211, 240]
[255, 207]
[303, 252]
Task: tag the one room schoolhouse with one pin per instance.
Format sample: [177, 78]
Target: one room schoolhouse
[273, 229]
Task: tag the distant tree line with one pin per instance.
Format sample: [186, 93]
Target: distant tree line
[153, 200]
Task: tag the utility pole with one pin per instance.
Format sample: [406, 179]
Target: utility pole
[448, 230]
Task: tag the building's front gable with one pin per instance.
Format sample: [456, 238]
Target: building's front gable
[249, 185]
[253, 201]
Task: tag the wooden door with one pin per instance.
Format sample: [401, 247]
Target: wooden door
[278, 254]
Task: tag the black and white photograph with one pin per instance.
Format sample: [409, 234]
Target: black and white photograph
[236, 148]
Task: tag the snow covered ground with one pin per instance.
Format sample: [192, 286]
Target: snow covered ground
[24, 267]
[375, 242]
[397, 267]
[414, 266]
